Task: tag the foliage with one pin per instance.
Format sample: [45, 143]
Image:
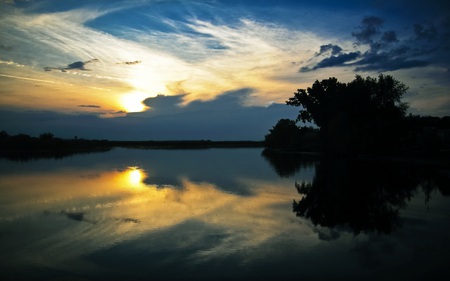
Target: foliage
[46, 136]
[287, 135]
[25, 147]
[364, 115]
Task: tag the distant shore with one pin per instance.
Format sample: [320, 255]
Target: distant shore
[441, 158]
[181, 144]
[23, 147]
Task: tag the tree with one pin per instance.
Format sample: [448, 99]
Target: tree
[46, 136]
[364, 115]
[285, 134]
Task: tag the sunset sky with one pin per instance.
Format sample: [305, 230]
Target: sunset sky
[214, 69]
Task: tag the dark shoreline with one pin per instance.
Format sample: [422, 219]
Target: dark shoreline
[186, 144]
[441, 158]
[25, 149]
[29, 148]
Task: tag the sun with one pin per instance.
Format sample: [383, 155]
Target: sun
[133, 102]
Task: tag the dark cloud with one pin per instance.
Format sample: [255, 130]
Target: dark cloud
[76, 216]
[230, 100]
[130, 62]
[5, 48]
[339, 60]
[369, 28]
[224, 118]
[164, 103]
[425, 32]
[385, 62]
[80, 65]
[429, 44]
[335, 49]
[389, 37]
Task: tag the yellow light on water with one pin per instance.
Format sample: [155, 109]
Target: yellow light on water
[135, 177]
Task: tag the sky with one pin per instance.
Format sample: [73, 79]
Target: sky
[213, 69]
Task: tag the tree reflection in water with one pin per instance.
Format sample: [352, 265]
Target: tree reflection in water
[361, 195]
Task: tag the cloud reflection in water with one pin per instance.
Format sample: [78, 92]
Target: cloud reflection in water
[84, 211]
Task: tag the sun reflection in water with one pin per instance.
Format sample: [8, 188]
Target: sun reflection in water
[134, 177]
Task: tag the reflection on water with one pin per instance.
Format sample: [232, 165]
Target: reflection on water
[365, 196]
[218, 214]
[361, 195]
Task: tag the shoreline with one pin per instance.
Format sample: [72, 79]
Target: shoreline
[34, 148]
[417, 157]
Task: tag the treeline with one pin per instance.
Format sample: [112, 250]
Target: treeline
[419, 134]
[364, 116]
[186, 144]
[46, 145]
[25, 147]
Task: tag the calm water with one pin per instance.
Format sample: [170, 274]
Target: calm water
[221, 214]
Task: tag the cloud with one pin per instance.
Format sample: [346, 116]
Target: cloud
[369, 28]
[385, 51]
[425, 32]
[89, 105]
[339, 60]
[389, 37]
[164, 103]
[5, 48]
[387, 62]
[334, 49]
[75, 65]
[223, 48]
[219, 54]
[224, 118]
[130, 62]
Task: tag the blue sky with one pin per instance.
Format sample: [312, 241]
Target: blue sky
[205, 69]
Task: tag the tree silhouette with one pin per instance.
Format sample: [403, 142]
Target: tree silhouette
[365, 196]
[286, 164]
[287, 135]
[46, 136]
[359, 196]
[364, 115]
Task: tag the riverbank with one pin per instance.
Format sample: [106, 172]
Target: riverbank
[23, 147]
[440, 158]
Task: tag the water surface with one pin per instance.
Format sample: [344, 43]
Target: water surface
[221, 214]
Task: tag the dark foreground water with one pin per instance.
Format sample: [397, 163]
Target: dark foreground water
[222, 214]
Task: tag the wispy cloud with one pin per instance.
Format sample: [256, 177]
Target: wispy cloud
[198, 50]
[5, 48]
[89, 105]
[224, 57]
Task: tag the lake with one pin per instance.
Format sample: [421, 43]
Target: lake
[222, 214]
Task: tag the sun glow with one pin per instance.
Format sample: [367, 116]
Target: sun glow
[133, 102]
[135, 176]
